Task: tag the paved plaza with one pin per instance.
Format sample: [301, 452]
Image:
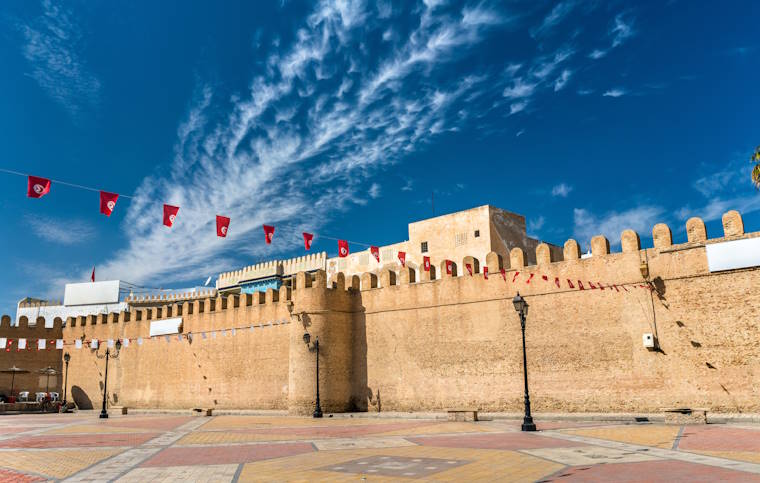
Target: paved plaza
[140, 448]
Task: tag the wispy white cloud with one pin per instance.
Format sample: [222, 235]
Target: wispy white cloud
[61, 231]
[724, 187]
[558, 13]
[585, 92]
[408, 185]
[516, 107]
[620, 31]
[299, 173]
[519, 133]
[535, 224]
[374, 191]
[562, 190]
[616, 92]
[52, 47]
[520, 88]
[640, 219]
[562, 80]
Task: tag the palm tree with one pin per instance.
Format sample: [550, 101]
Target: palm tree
[756, 170]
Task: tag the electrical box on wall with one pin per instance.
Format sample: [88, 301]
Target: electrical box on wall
[648, 341]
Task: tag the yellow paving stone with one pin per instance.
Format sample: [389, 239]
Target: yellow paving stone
[648, 435]
[440, 428]
[95, 429]
[57, 463]
[748, 456]
[484, 464]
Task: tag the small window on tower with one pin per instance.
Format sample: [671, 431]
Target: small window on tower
[477, 233]
[423, 247]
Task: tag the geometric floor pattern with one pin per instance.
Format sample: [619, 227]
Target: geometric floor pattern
[175, 448]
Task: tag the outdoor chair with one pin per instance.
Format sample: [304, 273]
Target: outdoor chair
[23, 396]
[39, 396]
[54, 396]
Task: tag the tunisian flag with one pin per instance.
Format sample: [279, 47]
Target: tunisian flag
[170, 213]
[402, 258]
[307, 238]
[92, 277]
[448, 267]
[426, 263]
[485, 273]
[222, 223]
[107, 202]
[342, 248]
[268, 233]
[37, 187]
[469, 268]
[375, 251]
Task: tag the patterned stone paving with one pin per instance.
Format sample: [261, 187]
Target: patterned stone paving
[172, 448]
[396, 466]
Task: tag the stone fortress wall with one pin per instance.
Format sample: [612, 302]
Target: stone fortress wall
[30, 358]
[401, 342]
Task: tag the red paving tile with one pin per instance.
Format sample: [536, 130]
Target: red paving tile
[651, 472]
[8, 476]
[15, 430]
[234, 454]
[78, 440]
[719, 438]
[508, 441]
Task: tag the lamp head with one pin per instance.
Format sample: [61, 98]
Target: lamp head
[118, 345]
[67, 357]
[306, 338]
[520, 304]
[644, 269]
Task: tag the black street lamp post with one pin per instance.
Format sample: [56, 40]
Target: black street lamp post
[103, 412]
[66, 359]
[521, 306]
[315, 348]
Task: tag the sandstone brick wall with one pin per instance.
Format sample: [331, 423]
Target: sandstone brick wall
[30, 359]
[392, 342]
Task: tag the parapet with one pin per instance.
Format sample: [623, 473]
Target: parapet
[164, 298]
[311, 262]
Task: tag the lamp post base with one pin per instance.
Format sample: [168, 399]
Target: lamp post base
[103, 415]
[317, 413]
[528, 424]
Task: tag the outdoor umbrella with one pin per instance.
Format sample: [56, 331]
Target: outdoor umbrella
[49, 371]
[14, 370]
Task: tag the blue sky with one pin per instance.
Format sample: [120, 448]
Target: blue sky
[343, 117]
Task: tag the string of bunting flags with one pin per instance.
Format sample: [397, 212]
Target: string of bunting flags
[37, 187]
[80, 343]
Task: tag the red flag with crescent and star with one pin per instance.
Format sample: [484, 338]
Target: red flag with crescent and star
[342, 248]
[402, 258]
[108, 202]
[37, 187]
[170, 213]
[375, 251]
[426, 263]
[307, 238]
[268, 233]
[222, 224]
